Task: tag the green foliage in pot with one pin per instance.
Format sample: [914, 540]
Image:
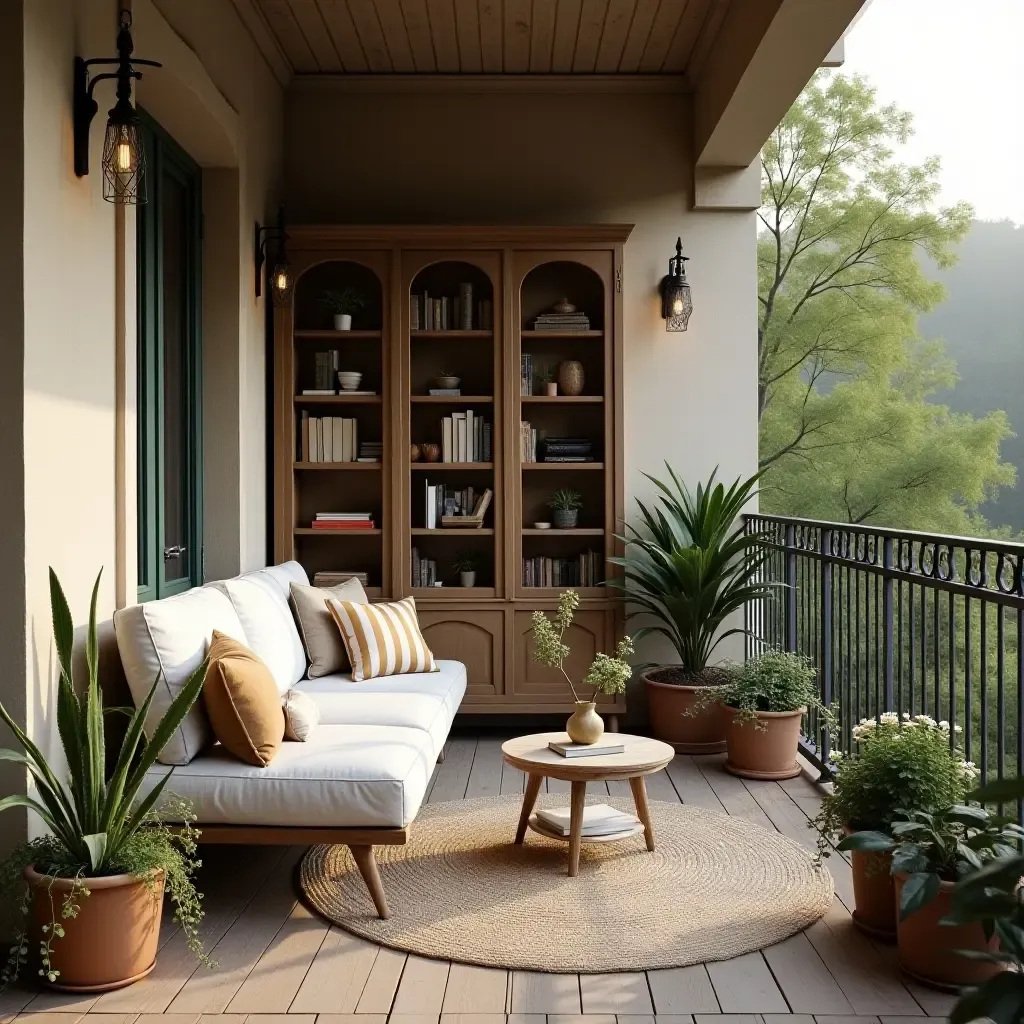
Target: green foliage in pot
[565, 500]
[98, 825]
[466, 561]
[342, 301]
[691, 565]
[607, 673]
[911, 763]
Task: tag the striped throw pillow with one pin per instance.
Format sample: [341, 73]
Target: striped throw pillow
[382, 639]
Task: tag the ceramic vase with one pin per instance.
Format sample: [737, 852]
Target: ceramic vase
[431, 452]
[414, 453]
[565, 518]
[585, 725]
[468, 579]
[570, 377]
[551, 389]
[343, 321]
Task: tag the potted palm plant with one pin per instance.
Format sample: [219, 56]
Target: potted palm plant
[91, 891]
[465, 564]
[565, 505]
[343, 303]
[690, 565]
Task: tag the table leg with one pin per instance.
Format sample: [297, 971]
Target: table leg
[643, 812]
[579, 797]
[533, 784]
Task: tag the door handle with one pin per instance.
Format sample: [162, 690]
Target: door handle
[174, 551]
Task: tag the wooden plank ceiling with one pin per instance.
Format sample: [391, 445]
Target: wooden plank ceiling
[668, 37]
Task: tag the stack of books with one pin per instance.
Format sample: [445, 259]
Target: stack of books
[598, 820]
[327, 438]
[568, 449]
[583, 571]
[465, 512]
[575, 321]
[450, 313]
[332, 577]
[343, 521]
[445, 392]
[569, 749]
[527, 442]
[424, 571]
[526, 374]
[465, 437]
[371, 451]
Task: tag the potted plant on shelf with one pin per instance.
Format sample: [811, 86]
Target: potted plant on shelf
[607, 674]
[91, 891]
[343, 303]
[547, 382]
[565, 505]
[931, 852]
[465, 564]
[896, 763]
[690, 565]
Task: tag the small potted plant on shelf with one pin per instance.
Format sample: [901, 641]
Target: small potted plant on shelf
[466, 564]
[447, 381]
[91, 891]
[343, 303]
[931, 852]
[565, 505]
[607, 674]
[896, 763]
[546, 381]
[691, 565]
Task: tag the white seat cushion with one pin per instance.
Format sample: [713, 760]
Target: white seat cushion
[269, 624]
[167, 640]
[354, 776]
[415, 700]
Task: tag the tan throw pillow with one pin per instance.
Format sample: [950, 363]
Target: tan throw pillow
[382, 639]
[324, 646]
[243, 702]
[301, 715]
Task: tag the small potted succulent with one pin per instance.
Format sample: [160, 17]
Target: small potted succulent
[607, 674]
[565, 505]
[447, 381]
[547, 382]
[931, 852]
[466, 564]
[907, 763]
[343, 303]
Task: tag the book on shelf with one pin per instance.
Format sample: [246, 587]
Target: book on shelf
[424, 571]
[585, 570]
[475, 510]
[527, 442]
[343, 521]
[450, 312]
[328, 438]
[319, 391]
[562, 322]
[569, 749]
[333, 577]
[325, 366]
[598, 820]
[465, 437]
[445, 392]
[371, 451]
[526, 375]
[568, 449]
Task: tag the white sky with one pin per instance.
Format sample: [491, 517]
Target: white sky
[956, 65]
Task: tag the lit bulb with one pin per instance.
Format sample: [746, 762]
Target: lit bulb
[677, 306]
[281, 281]
[124, 157]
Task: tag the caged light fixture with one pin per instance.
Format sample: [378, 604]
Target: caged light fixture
[124, 154]
[281, 275]
[676, 304]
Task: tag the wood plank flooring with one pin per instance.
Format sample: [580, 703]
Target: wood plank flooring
[278, 963]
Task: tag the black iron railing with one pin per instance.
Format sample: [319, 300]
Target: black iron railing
[900, 621]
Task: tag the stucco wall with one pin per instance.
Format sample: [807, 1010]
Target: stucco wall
[563, 157]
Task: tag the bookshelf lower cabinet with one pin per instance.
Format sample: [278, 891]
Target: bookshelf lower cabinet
[473, 636]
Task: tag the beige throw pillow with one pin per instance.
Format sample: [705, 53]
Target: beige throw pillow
[324, 647]
[301, 715]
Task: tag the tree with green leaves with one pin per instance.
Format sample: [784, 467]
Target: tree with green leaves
[849, 428]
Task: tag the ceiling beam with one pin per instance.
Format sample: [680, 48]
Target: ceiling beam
[764, 54]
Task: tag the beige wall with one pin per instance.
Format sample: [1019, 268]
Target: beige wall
[530, 157]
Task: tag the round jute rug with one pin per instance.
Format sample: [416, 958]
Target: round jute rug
[715, 887]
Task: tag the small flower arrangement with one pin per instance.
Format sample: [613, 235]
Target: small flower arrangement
[607, 673]
[902, 765]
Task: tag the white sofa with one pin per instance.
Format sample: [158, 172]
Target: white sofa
[361, 776]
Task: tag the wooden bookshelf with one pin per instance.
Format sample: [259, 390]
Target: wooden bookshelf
[519, 273]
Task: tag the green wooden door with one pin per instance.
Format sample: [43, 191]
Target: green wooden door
[170, 558]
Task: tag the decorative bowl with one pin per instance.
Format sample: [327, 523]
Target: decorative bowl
[447, 383]
[542, 526]
[349, 379]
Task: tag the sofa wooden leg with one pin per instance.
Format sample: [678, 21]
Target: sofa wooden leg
[363, 856]
[440, 757]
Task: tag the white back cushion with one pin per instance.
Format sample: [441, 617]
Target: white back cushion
[269, 624]
[167, 641]
[283, 575]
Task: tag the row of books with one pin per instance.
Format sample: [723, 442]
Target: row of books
[465, 437]
[333, 439]
[451, 313]
[353, 521]
[586, 570]
[527, 442]
[526, 372]
[332, 577]
[449, 506]
[424, 571]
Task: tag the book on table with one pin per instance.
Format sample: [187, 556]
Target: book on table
[598, 820]
[569, 749]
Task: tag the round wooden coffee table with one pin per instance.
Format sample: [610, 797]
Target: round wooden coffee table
[532, 755]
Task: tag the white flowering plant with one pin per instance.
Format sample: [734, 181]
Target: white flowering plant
[900, 765]
[607, 673]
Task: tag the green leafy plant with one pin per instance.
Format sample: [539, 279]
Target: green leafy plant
[906, 762]
[565, 500]
[466, 561]
[97, 824]
[341, 301]
[607, 673]
[691, 565]
[544, 375]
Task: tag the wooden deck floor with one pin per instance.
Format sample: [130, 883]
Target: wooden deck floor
[281, 964]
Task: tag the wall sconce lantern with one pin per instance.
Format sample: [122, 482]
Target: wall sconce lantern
[281, 275]
[124, 154]
[676, 304]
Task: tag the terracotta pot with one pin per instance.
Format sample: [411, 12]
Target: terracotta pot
[113, 939]
[667, 703]
[874, 893]
[570, 377]
[926, 947]
[763, 748]
[585, 725]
